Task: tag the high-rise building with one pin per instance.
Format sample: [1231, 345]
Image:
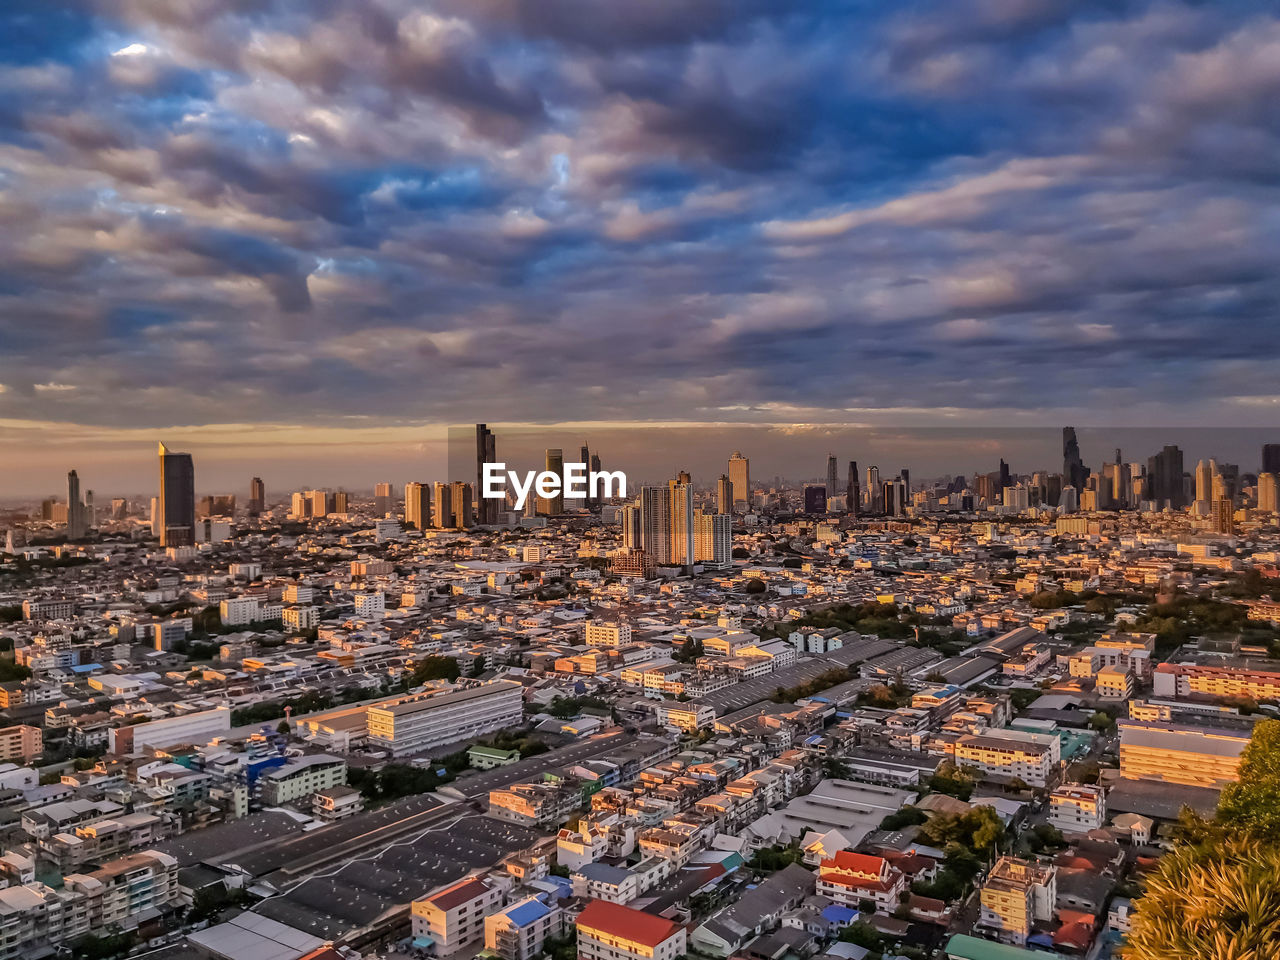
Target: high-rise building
[119, 508]
[832, 475]
[383, 494]
[460, 505]
[740, 478]
[906, 482]
[713, 535]
[1224, 516]
[853, 490]
[417, 505]
[629, 518]
[873, 493]
[554, 506]
[441, 506]
[655, 523]
[177, 505]
[257, 496]
[75, 508]
[1164, 478]
[724, 494]
[321, 503]
[1267, 492]
[815, 498]
[1271, 458]
[341, 502]
[593, 467]
[682, 525]
[1074, 472]
[486, 452]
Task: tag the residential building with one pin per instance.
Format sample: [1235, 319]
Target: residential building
[443, 715]
[21, 742]
[1078, 807]
[299, 779]
[609, 931]
[518, 932]
[1017, 894]
[452, 918]
[1181, 752]
[855, 878]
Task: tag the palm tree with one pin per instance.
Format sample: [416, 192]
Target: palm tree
[1214, 900]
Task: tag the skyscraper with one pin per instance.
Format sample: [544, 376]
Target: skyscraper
[442, 506]
[1205, 469]
[1164, 478]
[1271, 458]
[655, 523]
[713, 535]
[815, 498]
[873, 489]
[383, 494]
[486, 452]
[417, 505]
[682, 521]
[1073, 469]
[177, 504]
[554, 506]
[1267, 492]
[341, 502]
[75, 508]
[724, 494]
[460, 504]
[832, 475]
[257, 496]
[632, 535]
[740, 478]
[853, 489]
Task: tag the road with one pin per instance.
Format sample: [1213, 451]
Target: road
[477, 786]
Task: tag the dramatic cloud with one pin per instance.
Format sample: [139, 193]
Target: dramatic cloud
[289, 212]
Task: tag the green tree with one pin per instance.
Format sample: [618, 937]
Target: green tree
[1217, 900]
[435, 668]
[1253, 803]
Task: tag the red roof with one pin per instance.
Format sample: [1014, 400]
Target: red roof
[619, 921]
[464, 891]
[861, 863]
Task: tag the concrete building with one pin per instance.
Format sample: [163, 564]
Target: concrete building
[1031, 757]
[609, 931]
[1259, 680]
[21, 742]
[448, 920]
[1016, 895]
[518, 932]
[607, 634]
[1181, 752]
[370, 606]
[444, 715]
[853, 878]
[186, 728]
[299, 779]
[1078, 807]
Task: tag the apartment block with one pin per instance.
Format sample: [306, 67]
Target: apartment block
[1078, 807]
[299, 779]
[609, 931]
[21, 742]
[450, 919]
[1181, 753]
[444, 715]
[1016, 895]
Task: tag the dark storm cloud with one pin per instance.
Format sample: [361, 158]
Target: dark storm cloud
[569, 209]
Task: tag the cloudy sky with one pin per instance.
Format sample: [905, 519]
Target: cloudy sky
[323, 225]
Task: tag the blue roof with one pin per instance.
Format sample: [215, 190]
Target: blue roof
[839, 913]
[85, 667]
[527, 912]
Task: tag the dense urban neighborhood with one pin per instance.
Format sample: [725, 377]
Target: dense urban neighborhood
[973, 718]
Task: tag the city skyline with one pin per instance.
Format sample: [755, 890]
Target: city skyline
[648, 453]
[365, 218]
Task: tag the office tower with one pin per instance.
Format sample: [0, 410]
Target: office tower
[1003, 479]
[593, 467]
[713, 535]
[321, 503]
[340, 502]
[895, 498]
[655, 523]
[1271, 458]
[75, 509]
[815, 498]
[257, 497]
[1164, 477]
[442, 506]
[554, 506]
[724, 494]
[177, 504]
[832, 478]
[119, 508]
[383, 494]
[740, 477]
[90, 514]
[853, 490]
[1224, 516]
[460, 505]
[1267, 490]
[906, 481]
[1205, 469]
[682, 526]
[629, 518]
[1074, 471]
[486, 452]
[1226, 482]
[984, 487]
[873, 489]
[300, 505]
[1069, 501]
[417, 505]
